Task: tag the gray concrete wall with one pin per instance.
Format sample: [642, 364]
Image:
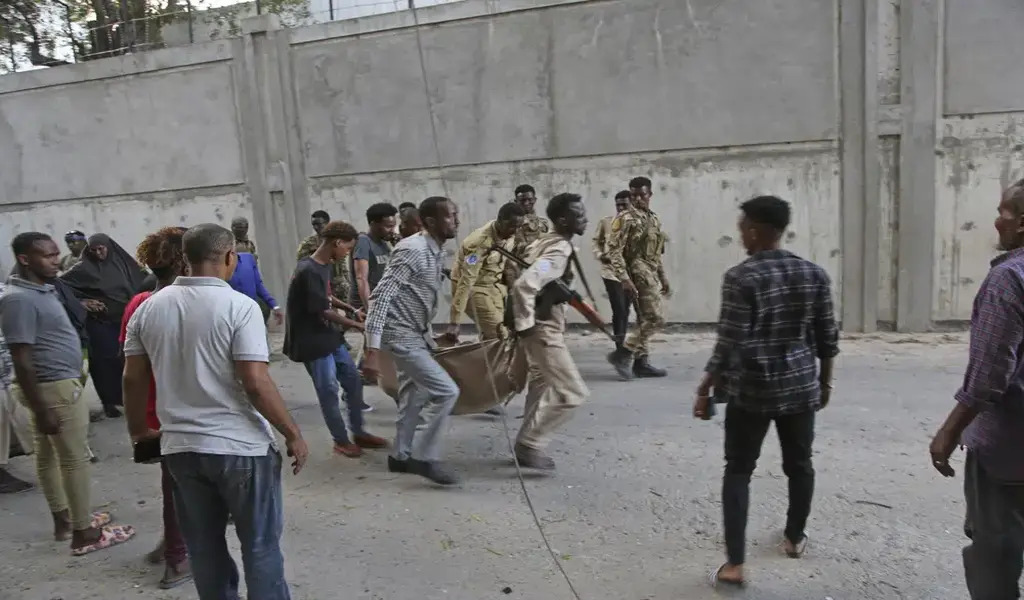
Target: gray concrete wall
[891, 151]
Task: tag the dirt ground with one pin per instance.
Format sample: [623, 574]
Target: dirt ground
[633, 511]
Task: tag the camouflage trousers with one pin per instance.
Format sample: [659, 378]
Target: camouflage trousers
[649, 317]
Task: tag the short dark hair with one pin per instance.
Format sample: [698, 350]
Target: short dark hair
[406, 205]
[1016, 193]
[23, 242]
[559, 205]
[409, 213]
[339, 230]
[431, 207]
[623, 194]
[639, 182]
[380, 211]
[509, 211]
[525, 189]
[321, 214]
[206, 242]
[771, 211]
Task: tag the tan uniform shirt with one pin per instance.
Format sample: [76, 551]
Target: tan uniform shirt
[549, 258]
[600, 247]
[475, 267]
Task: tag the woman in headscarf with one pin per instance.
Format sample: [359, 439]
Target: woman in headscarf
[105, 280]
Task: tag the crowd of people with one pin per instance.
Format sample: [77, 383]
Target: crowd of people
[198, 397]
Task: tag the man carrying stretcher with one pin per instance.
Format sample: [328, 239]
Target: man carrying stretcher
[555, 387]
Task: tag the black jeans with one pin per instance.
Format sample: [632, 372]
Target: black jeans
[995, 525]
[744, 434]
[620, 310]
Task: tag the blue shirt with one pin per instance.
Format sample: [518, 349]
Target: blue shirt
[247, 280]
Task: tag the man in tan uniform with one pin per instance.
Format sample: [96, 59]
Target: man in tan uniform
[477, 285]
[635, 249]
[532, 228]
[612, 285]
[555, 388]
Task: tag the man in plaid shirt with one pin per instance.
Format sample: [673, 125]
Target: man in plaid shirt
[772, 362]
[13, 419]
[988, 418]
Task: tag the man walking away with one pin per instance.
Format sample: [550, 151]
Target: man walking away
[988, 418]
[248, 280]
[612, 285]
[401, 311]
[635, 252]
[776, 325]
[477, 285]
[311, 338]
[47, 361]
[206, 347]
[555, 387]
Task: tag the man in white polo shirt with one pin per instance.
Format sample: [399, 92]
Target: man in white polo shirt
[206, 346]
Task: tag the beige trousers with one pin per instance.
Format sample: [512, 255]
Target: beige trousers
[62, 460]
[14, 419]
[554, 390]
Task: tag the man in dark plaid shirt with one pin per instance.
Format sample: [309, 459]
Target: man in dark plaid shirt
[777, 336]
[988, 418]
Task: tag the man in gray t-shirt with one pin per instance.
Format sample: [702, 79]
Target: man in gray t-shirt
[47, 357]
[372, 252]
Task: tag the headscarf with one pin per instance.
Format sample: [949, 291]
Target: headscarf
[113, 281]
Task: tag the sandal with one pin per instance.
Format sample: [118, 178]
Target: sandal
[110, 535]
[714, 580]
[99, 519]
[797, 548]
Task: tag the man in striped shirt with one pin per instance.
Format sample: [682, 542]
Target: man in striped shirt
[402, 308]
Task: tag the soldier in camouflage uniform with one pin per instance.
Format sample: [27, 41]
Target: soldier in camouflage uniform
[240, 227]
[635, 253]
[341, 283]
[532, 228]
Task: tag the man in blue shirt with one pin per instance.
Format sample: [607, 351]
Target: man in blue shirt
[247, 280]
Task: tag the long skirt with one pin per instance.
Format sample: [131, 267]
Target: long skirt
[106, 364]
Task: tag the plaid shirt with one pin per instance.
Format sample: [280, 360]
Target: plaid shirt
[404, 303]
[994, 378]
[776, 321]
[6, 363]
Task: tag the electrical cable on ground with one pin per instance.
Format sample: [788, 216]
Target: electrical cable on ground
[490, 368]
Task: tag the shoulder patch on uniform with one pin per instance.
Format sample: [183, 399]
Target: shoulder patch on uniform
[543, 265]
[616, 224]
[472, 259]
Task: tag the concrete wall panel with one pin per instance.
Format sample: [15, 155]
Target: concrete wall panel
[593, 78]
[983, 46]
[696, 194]
[981, 156]
[163, 130]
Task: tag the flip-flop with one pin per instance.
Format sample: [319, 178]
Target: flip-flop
[798, 548]
[110, 535]
[714, 580]
[99, 519]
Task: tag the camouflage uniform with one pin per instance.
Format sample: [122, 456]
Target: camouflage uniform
[477, 285]
[247, 246]
[532, 228]
[635, 250]
[341, 283]
[69, 261]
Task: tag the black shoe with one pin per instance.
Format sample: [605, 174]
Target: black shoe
[494, 412]
[9, 484]
[433, 471]
[642, 368]
[112, 412]
[533, 459]
[620, 359]
[96, 417]
[398, 466]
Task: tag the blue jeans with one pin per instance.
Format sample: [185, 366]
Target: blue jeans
[209, 487]
[329, 373]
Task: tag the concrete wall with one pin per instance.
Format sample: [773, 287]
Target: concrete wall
[880, 144]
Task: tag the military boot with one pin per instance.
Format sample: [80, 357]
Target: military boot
[620, 360]
[643, 368]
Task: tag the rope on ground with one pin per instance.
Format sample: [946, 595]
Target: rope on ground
[490, 369]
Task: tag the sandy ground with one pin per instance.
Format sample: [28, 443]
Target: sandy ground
[633, 511]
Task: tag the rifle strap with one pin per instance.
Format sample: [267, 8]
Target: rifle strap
[583, 278]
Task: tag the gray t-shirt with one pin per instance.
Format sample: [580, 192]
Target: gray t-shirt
[31, 313]
[193, 332]
[376, 254]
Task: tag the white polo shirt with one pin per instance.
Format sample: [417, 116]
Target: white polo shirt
[193, 332]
